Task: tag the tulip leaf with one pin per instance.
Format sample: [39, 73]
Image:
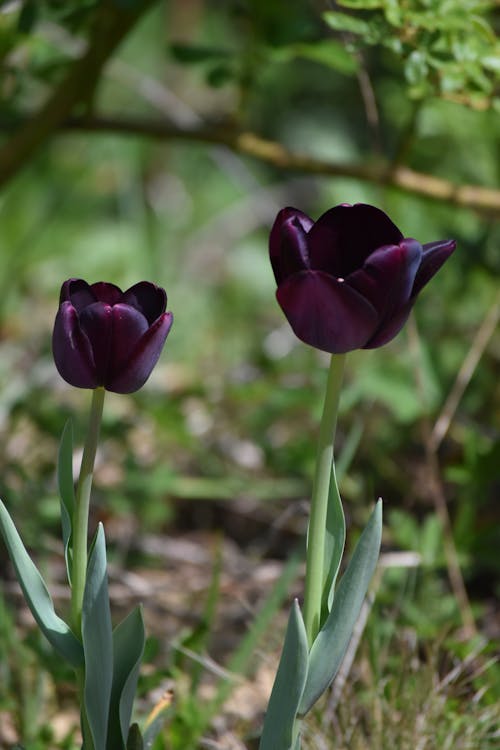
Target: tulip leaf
[66, 490]
[280, 726]
[97, 642]
[128, 647]
[331, 642]
[334, 545]
[37, 596]
[135, 740]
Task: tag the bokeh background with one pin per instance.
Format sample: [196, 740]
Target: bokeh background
[166, 157]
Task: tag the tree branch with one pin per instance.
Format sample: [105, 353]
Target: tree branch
[271, 152]
[111, 25]
[481, 199]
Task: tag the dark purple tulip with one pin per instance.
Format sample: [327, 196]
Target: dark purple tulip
[106, 337]
[349, 280]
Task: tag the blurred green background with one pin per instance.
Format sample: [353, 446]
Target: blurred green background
[222, 438]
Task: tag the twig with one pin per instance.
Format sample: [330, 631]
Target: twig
[482, 199]
[274, 153]
[479, 344]
[437, 492]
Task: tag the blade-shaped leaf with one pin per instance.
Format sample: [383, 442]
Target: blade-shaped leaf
[128, 647]
[37, 596]
[66, 490]
[334, 544]
[279, 731]
[135, 740]
[97, 642]
[331, 642]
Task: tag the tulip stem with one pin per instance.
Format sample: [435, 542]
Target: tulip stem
[81, 511]
[319, 501]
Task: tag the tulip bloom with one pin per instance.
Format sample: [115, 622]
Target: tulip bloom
[106, 337]
[349, 280]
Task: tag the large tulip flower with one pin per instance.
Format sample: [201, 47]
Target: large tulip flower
[106, 337]
[349, 280]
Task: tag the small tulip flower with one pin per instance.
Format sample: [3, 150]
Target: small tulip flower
[350, 279]
[105, 337]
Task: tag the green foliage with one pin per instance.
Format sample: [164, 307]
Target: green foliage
[66, 491]
[331, 643]
[97, 645]
[233, 383]
[448, 48]
[37, 596]
[280, 731]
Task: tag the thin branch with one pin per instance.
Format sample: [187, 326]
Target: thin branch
[271, 152]
[471, 361]
[437, 493]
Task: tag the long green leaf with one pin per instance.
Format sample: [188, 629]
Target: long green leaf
[279, 731]
[128, 647]
[135, 740]
[37, 596]
[66, 490]
[97, 642]
[334, 545]
[331, 642]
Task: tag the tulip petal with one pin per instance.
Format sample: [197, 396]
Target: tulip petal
[391, 328]
[78, 292]
[129, 326]
[435, 254]
[149, 299]
[106, 292]
[433, 257]
[288, 243]
[345, 236]
[72, 350]
[96, 322]
[326, 313]
[133, 374]
[387, 277]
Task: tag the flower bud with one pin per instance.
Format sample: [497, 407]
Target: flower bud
[105, 337]
[350, 279]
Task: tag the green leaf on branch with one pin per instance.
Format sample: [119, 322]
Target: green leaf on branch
[328, 52]
[345, 22]
[280, 721]
[334, 545]
[97, 642]
[66, 490]
[128, 647]
[37, 596]
[331, 642]
[193, 53]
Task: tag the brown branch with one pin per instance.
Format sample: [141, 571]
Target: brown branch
[437, 492]
[482, 199]
[465, 374]
[271, 152]
[111, 25]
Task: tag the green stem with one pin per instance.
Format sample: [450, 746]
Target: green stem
[81, 512]
[88, 743]
[319, 500]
